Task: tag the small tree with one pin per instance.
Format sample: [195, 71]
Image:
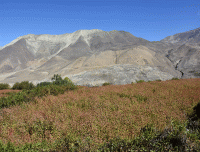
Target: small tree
[59, 81]
[67, 79]
[56, 77]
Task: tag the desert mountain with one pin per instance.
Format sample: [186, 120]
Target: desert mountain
[92, 57]
[186, 55]
[191, 37]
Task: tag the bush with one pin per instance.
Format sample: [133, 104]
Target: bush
[158, 80]
[48, 90]
[44, 84]
[23, 85]
[59, 81]
[67, 79]
[16, 99]
[16, 86]
[140, 81]
[4, 86]
[106, 83]
[175, 78]
[29, 95]
[29, 91]
[62, 83]
[56, 77]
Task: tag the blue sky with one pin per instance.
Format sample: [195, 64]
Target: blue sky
[149, 19]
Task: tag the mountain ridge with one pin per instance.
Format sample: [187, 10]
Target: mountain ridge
[31, 56]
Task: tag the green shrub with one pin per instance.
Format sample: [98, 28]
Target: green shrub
[175, 78]
[52, 89]
[29, 91]
[16, 86]
[70, 86]
[48, 90]
[140, 81]
[16, 99]
[95, 86]
[4, 86]
[23, 85]
[29, 95]
[44, 84]
[57, 80]
[106, 83]
[62, 83]
[158, 80]
[67, 79]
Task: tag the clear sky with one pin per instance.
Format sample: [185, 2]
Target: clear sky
[149, 19]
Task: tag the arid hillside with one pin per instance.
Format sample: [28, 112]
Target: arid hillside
[93, 57]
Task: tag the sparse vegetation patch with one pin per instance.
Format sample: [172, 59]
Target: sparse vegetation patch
[140, 81]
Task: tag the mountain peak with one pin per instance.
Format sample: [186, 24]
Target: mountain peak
[190, 37]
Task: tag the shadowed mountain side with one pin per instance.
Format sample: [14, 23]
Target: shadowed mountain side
[185, 57]
[76, 50]
[14, 57]
[53, 64]
[161, 47]
[187, 60]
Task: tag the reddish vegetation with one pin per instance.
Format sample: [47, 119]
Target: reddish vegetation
[100, 112]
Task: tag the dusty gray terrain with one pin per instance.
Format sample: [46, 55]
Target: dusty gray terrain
[92, 57]
[185, 56]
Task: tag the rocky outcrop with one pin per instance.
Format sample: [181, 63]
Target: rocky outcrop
[120, 75]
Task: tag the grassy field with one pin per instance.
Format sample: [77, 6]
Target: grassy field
[145, 116]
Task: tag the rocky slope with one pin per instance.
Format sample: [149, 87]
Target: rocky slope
[186, 55]
[92, 57]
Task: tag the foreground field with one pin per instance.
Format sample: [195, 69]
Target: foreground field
[106, 118]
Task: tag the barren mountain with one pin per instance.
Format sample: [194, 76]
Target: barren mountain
[186, 55]
[92, 57]
[189, 37]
